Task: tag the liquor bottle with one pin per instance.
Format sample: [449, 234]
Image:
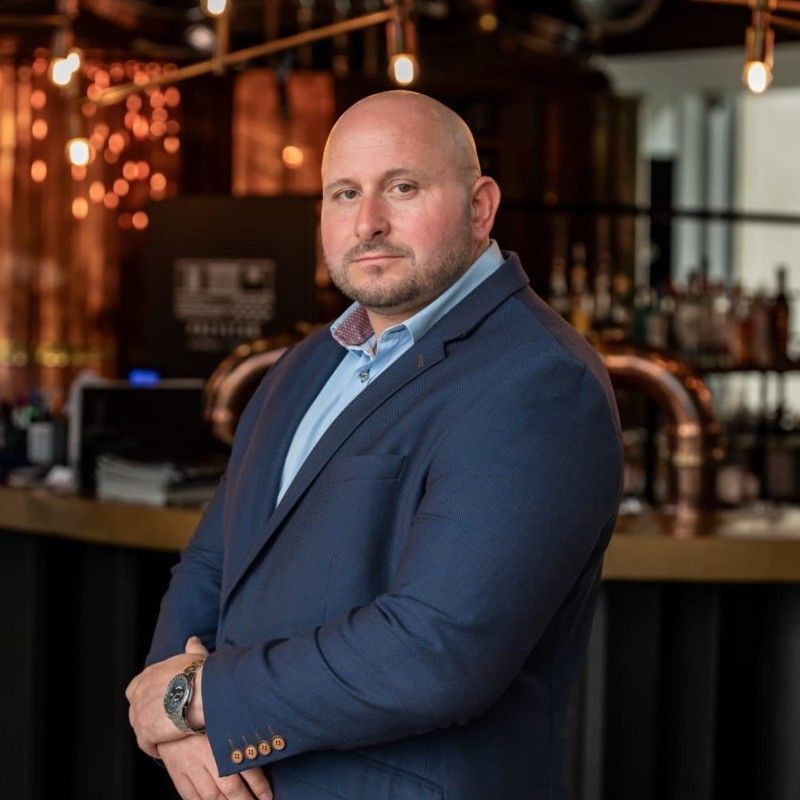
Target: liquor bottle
[761, 333]
[659, 321]
[779, 318]
[621, 304]
[581, 301]
[602, 297]
[642, 308]
[559, 290]
[720, 314]
[688, 317]
[740, 328]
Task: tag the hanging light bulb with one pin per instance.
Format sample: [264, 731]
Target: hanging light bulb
[63, 68]
[214, 8]
[79, 151]
[401, 47]
[759, 50]
[61, 71]
[74, 59]
[403, 69]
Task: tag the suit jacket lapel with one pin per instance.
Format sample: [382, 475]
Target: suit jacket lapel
[422, 356]
[258, 481]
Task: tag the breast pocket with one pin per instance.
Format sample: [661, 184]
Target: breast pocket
[386, 466]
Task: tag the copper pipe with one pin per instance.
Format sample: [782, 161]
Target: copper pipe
[687, 400]
[117, 93]
[32, 20]
[234, 381]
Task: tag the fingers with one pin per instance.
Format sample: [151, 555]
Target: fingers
[191, 766]
[195, 647]
[184, 786]
[258, 783]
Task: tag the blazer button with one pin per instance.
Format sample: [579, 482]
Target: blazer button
[278, 743]
[250, 751]
[237, 756]
[264, 748]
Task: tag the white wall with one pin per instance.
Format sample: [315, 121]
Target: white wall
[731, 150]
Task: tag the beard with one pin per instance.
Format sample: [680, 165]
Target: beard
[383, 292]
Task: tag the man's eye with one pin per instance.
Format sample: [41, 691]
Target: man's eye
[403, 188]
[347, 194]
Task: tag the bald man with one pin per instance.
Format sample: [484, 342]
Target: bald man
[390, 594]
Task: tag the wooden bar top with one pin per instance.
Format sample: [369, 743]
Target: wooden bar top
[756, 546]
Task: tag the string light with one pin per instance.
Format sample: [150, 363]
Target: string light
[488, 22]
[80, 208]
[62, 69]
[292, 156]
[97, 192]
[38, 171]
[79, 151]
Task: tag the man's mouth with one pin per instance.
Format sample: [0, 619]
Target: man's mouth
[377, 256]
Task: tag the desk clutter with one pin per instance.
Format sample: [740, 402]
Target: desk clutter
[157, 483]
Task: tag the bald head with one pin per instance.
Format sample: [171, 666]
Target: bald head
[443, 132]
[405, 210]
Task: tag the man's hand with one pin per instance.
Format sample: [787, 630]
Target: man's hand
[191, 766]
[145, 694]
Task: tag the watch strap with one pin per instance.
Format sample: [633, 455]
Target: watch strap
[179, 718]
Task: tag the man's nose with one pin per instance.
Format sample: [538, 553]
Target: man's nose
[372, 220]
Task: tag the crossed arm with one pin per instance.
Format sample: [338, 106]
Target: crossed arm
[187, 757]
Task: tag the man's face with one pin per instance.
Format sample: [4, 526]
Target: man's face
[396, 216]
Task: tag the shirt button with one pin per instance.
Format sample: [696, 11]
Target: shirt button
[250, 751]
[363, 376]
[264, 748]
[278, 743]
[237, 756]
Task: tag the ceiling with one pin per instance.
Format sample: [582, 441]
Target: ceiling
[157, 28]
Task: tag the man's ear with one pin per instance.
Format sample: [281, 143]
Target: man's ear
[484, 203]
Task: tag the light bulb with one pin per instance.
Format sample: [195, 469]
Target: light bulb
[403, 69]
[757, 76]
[759, 56]
[401, 46]
[488, 22]
[215, 8]
[79, 152]
[61, 71]
[74, 60]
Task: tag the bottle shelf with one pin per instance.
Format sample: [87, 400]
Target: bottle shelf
[720, 369]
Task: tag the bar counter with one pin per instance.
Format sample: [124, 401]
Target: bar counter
[690, 687]
[718, 547]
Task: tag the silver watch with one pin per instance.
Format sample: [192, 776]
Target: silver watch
[178, 696]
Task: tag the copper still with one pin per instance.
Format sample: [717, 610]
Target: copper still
[695, 433]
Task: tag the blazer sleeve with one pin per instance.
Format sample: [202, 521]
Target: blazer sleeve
[190, 605]
[520, 498]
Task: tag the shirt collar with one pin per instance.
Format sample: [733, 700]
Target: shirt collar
[353, 329]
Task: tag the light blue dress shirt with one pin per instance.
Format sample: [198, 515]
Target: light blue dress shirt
[365, 361]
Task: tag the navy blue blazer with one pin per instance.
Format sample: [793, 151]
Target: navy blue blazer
[410, 621]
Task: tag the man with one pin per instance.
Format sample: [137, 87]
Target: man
[397, 575]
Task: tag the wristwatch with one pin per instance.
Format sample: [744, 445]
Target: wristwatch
[178, 696]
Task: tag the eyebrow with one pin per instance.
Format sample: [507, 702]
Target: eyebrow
[386, 176]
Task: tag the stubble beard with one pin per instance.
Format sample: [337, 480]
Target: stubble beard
[421, 284]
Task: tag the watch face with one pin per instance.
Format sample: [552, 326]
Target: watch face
[176, 694]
